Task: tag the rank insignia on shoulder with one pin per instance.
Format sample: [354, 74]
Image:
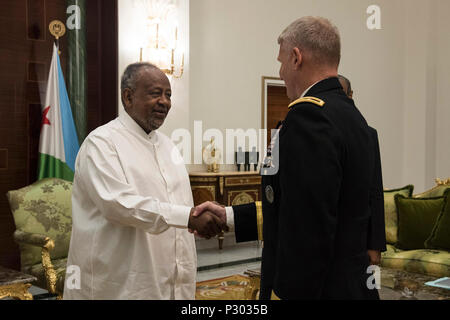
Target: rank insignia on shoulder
[313, 100]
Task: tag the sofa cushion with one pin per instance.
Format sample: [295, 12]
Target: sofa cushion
[416, 219]
[44, 207]
[425, 261]
[440, 236]
[390, 212]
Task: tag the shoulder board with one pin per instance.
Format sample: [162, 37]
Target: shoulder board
[312, 100]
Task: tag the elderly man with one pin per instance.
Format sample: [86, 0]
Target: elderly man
[132, 204]
[316, 206]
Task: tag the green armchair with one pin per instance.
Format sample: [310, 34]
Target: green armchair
[43, 217]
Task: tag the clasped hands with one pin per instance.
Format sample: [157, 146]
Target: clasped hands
[208, 220]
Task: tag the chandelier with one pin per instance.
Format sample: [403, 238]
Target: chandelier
[161, 45]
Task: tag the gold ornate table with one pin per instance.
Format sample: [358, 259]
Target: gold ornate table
[227, 188]
[14, 284]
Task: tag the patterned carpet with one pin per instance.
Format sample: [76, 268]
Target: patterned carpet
[229, 288]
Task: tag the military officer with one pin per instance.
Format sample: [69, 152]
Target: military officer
[315, 204]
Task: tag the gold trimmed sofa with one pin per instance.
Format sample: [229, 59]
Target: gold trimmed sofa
[429, 261]
[43, 216]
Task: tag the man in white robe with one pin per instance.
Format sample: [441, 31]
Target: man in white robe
[132, 203]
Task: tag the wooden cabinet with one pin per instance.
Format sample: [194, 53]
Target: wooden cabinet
[227, 188]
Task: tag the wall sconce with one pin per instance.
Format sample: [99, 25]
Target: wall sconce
[161, 48]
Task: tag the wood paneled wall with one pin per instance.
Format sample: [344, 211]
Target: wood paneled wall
[277, 107]
[25, 55]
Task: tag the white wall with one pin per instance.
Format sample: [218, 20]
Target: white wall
[427, 79]
[400, 74]
[443, 86]
[234, 44]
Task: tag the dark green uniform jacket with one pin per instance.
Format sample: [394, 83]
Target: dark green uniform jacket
[316, 208]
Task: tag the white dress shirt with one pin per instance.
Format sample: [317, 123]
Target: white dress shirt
[229, 210]
[130, 205]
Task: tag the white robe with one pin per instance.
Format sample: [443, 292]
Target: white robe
[130, 208]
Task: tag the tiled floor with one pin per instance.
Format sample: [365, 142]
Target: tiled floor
[214, 258]
[214, 263]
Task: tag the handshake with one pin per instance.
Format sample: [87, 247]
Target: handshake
[208, 220]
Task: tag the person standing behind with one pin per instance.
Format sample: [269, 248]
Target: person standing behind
[376, 242]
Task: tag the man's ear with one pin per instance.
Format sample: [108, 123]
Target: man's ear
[297, 57]
[127, 97]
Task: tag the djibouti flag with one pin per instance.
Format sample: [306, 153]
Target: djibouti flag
[58, 145]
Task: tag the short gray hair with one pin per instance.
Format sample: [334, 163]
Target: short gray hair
[316, 35]
[131, 73]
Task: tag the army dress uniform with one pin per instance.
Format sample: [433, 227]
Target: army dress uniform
[315, 208]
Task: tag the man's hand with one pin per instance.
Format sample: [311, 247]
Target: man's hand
[374, 257]
[206, 225]
[214, 208]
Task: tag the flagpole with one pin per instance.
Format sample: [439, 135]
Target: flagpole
[57, 45]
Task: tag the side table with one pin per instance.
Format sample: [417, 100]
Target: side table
[15, 284]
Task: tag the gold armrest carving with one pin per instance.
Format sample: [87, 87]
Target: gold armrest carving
[50, 273]
[47, 245]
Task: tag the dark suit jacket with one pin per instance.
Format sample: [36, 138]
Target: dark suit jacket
[377, 233]
[316, 228]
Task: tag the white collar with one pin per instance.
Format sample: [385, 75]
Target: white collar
[132, 125]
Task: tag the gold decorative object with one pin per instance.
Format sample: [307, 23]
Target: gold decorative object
[15, 284]
[57, 29]
[17, 291]
[203, 179]
[49, 270]
[242, 198]
[440, 182]
[231, 182]
[221, 185]
[212, 156]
